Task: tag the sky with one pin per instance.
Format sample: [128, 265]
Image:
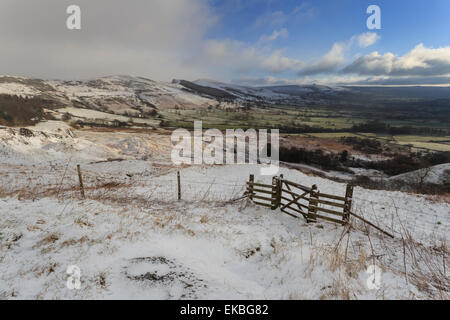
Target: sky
[252, 42]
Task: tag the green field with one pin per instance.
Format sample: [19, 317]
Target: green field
[258, 118]
[315, 119]
[417, 143]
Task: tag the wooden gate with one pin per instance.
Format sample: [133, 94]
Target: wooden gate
[298, 201]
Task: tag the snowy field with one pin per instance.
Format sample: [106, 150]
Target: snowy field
[132, 239]
[17, 89]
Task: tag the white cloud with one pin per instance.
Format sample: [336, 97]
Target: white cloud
[273, 19]
[150, 38]
[420, 61]
[334, 59]
[412, 81]
[166, 39]
[282, 33]
[277, 63]
[228, 53]
[280, 18]
[245, 58]
[276, 81]
[328, 63]
[367, 39]
[422, 65]
[262, 81]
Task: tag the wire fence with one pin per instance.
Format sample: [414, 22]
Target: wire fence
[396, 207]
[97, 179]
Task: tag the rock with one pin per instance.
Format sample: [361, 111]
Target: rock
[26, 132]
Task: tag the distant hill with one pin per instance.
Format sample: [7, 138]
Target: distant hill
[140, 97]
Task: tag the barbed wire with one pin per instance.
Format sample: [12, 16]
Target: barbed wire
[156, 181]
[389, 206]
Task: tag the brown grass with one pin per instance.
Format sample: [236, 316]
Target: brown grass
[314, 143]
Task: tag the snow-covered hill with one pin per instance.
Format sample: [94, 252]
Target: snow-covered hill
[123, 95]
[138, 96]
[272, 93]
[137, 242]
[132, 238]
[439, 174]
[53, 142]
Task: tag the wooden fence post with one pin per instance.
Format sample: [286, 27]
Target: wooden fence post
[80, 178]
[279, 191]
[313, 203]
[348, 202]
[250, 186]
[179, 185]
[276, 193]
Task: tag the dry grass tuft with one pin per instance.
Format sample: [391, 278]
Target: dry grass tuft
[204, 219]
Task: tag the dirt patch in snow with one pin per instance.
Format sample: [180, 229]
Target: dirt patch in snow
[160, 271]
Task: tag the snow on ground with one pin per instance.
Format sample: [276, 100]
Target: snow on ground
[55, 144]
[93, 114]
[132, 239]
[439, 174]
[17, 89]
[424, 218]
[50, 126]
[245, 92]
[137, 242]
[99, 115]
[122, 254]
[86, 89]
[161, 94]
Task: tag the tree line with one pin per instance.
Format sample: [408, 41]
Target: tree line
[18, 111]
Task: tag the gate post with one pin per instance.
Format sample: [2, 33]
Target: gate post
[276, 193]
[250, 186]
[80, 178]
[348, 203]
[313, 203]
